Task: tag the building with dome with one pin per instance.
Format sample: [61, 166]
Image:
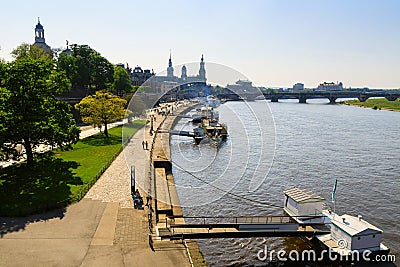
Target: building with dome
[200, 77]
[39, 37]
[139, 76]
[165, 83]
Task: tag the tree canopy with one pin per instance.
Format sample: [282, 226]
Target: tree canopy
[30, 114]
[122, 82]
[136, 106]
[31, 51]
[86, 68]
[101, 109]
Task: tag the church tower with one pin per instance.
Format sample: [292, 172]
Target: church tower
[202, 70]
[170, 69]
[39, 36]
[184, 73]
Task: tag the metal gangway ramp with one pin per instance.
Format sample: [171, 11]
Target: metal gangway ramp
[186, 227]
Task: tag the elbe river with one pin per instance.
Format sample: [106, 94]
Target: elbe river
[275, 146]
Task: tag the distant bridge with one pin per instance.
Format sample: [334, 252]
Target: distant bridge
[303, 96]
[331, 95]
[191, 90]
[184, 91]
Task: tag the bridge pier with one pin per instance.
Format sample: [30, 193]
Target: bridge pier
[274, 98]
[332, 99]
[302, 99]
[362, 98]
[391, 97]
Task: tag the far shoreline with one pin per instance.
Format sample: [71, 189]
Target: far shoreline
[375, 104]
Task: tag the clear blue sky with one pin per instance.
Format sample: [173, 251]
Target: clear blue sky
[274, 43]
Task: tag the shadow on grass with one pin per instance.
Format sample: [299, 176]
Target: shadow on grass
[41, 187]
[101, 140]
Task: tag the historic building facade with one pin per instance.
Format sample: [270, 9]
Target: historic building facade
[165, 83]
[330, 86]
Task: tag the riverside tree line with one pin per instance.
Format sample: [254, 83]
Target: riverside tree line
[30, 113]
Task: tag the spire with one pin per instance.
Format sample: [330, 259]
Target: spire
[184, 73]
[170, 69]
[202, 70]
[39, 36]
[170, 59]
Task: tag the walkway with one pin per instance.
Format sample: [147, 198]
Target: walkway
[103, 229]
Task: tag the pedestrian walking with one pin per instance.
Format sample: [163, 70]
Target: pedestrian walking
[147, 145]
[143, 143]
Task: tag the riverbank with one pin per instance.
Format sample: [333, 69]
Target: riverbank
[375, 103]
[166, 197]
[103, 229]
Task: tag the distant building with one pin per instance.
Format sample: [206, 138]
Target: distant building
[165, 83]
[327, 86]
[201, 77]
[139, 76]
[39, 37]
[67, 51]
[241, 86]
[170, 81]
[298, 87]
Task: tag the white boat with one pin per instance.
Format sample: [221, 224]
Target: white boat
[213, 101]
[206, 113]
[348, 234]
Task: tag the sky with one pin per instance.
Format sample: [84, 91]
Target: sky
[272, 42]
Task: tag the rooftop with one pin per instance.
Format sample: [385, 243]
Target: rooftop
[353, 225]
[300, 195]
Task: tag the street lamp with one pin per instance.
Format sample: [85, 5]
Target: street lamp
[151, 124]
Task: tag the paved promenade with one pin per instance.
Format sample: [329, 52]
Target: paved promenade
[103, 229]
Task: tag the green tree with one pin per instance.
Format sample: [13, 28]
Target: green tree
[69, 65]
[82, 53]
[31, 51]
[270, 91]
[30, 114]
[136, 105]
[101, 109]
[217, 89]
[92, 68]
[102, 72]
[122, 82]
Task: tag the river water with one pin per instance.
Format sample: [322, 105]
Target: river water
[276, 146]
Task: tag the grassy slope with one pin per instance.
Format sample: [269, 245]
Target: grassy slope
[376, 103]
[54, 180]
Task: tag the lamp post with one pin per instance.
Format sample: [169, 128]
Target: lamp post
[151, 124]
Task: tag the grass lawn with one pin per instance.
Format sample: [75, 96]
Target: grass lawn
[376, 103]
[62, 178]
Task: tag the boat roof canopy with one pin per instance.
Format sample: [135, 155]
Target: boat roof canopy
[354, 225]
[301, 195]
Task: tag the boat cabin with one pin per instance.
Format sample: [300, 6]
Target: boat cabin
[208, 113]
[358, 233]
[303, 205]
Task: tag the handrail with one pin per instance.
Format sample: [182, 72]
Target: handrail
[246, 216]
